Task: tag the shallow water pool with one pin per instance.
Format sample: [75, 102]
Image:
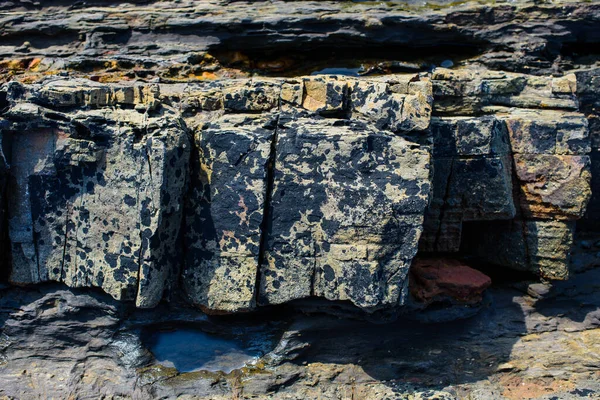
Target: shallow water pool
[191, 349]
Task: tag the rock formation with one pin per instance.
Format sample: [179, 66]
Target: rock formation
[142, 157]
[320, 164]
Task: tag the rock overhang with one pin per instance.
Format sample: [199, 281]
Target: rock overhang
[212, 188]
[506, 149]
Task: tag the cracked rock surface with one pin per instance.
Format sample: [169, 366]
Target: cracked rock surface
[314, 165]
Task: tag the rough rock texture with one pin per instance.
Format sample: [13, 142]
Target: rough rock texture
[296, 186]
[223, 235]
[99, 172]
[288, 157]
[472, 178]
[550, 168]
[168, 39]
[345, 215]
[94, 197]
[534, 341]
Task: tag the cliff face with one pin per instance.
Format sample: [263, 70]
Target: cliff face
[166, 162]
[143, 169]
[254, 192]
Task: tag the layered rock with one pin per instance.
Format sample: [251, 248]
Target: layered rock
[472, 166]
[488, 159]
[94, 195]
[168, 39]
[546, 147]
[98, 173]
[296, 187]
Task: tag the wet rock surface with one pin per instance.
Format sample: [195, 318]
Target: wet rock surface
[530, 340]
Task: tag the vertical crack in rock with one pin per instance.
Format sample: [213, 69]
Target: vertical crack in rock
[140, 259]
[265, 225]
[62, 276]
[347, 213]
[328, 202]
[521, 221]
[227, 202]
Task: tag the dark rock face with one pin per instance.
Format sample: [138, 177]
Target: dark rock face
[301, 187]
[225, 213]
[190, 159]
[472, 179]
[346, 214]
[95, 198]
[351, 238]
[538, 189]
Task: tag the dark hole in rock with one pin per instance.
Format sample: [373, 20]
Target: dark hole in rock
[338, 71]
[353, 60]
[3, 102]
[189, 347]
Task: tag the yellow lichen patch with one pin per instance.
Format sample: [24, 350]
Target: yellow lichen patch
[315, 95]
[14, 64]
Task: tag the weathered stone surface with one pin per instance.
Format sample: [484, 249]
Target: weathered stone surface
[553, 186]
[538, 341]
[225, 208]
[548, 132]
[546, 165]
[168, 39]
[95, 199]
[345, 215]
[312, 169]
[398, 103]
[540, 246]
[111, 144]
[471, 91]
[394, 104]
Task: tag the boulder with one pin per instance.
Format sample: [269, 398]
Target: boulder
[439, 279]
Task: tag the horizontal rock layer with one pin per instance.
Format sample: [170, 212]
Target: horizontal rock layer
[264, 191]
[248, 192]
[166, 160]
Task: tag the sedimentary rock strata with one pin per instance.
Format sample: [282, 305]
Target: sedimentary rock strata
[101, 175]
[184, 148]
[257, 192]
[94, 197]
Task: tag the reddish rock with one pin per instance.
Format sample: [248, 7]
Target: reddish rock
[436, 278]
